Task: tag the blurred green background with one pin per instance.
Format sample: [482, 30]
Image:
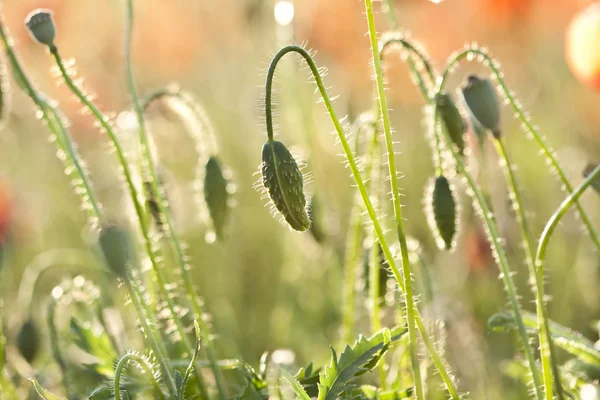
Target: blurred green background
[267, 287]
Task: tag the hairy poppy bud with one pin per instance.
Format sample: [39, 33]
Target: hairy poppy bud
[41, 27]
[216, 195]
[453, 121]
[28, 341]
[481, 101]
[442, 212]
[285, 184]
[117, 248]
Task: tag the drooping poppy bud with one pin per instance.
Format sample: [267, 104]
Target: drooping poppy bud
[285, 184]
[28, 341]
[41, 26]
[442, 212]
[481, 101]
[117, 248]
[453, 121]
[216, 195]
[587, 171]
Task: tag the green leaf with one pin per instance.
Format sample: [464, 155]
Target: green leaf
[372, 392]
[97, 344]
[355, 360]
[179, 384]
[43, 392]
[295, 385]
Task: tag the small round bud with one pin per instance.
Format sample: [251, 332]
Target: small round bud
[216, 195]
[482, 103]
[28, 341]
[453, 121]
[442, 212]
[117, 248]
[285, 184]
[41, 26]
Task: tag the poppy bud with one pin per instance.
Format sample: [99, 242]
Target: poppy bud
[285, 184]
[216, 195]
[482, 103]
[117, 248]
[453, 121]
[28, 341]
[442, 212]
[41, 27]
[587, 171]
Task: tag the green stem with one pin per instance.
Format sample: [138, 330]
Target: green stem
[549, 230]
[388, 10]
[53, 119]
[548, 361]
[144, 366]
[150, 335]
[352, 253]
[55, 344]
[495, 240]
[485, 58]
[410, 304]
[134, 196]
[356, 175]
[164, 210]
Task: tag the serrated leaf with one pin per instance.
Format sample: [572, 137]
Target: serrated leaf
[178, 383]
[97, 344]
[355, 360]
[43, 392]
[295, 385]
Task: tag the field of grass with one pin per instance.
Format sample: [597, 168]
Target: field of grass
[220, 220]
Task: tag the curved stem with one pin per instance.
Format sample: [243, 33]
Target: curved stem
[489, 222]
[359, 183]
[484, 57]
[387, 130]
[184, 267]
[144, 366]
[56, 125]
[134, 197]
[536, 277]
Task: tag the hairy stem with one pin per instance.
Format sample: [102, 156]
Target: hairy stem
[142, 363]
[55, 344]
[484, 57]
[357, 178]
[184, 267]
[549, 365]
[407, 274]
[134, 197]
[489, 222]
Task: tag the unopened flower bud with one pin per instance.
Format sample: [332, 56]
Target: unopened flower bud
[41, 26]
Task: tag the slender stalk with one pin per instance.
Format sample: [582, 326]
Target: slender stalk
[489, 221]
[184, 267]
[550, 155]
[387, 130]
[150, 336]
[133, 192]
[144, 366]
[549, 230]
[357, 178]
[548, 361]
[55, 344]
[54, 121]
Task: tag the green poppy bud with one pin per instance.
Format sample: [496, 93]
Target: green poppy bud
[315, 213]
[481, 101]
[501, 322]
[41, 27]
[453, 121]
[285, 184]
[28, 341]
[216, 195]
[117, 248]
[442, 212]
